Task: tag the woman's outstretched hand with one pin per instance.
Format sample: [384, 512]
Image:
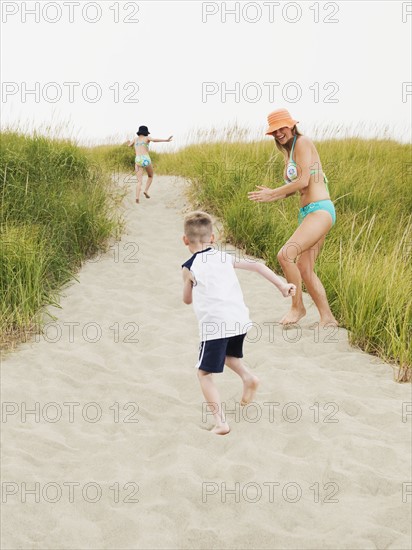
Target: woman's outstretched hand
[264, 195]
[170, 138]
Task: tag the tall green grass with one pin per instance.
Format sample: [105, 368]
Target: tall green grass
[365, 264]
[116, 158]
[56, 210]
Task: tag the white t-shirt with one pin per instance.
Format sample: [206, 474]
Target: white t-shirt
[217, 296]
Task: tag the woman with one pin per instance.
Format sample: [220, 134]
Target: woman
[303, 173]
[143, 160]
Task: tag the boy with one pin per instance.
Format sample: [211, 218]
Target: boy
[209, 280]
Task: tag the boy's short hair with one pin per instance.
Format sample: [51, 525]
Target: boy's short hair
[198, 226]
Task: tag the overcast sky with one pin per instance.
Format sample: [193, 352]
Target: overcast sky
[172, 65]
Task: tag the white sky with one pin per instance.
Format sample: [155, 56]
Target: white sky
[169, 53]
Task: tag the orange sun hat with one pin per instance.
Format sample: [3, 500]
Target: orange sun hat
[278, 119]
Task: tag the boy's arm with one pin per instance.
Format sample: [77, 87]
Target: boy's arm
[287, 289]
[187, 285]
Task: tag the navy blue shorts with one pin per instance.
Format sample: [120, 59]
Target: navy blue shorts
[212, 353]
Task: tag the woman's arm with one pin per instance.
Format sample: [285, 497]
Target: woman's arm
[268, 194]
[130, 142]
[160, 140]
[303, 160]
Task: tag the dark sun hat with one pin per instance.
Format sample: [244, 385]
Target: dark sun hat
[143, 131]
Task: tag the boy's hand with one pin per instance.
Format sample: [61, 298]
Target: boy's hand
[188, 276]
[188, 282]
[288, 290]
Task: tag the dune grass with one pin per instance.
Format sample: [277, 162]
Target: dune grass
[58, 207]
[365, 264]
[57, 210]
[116, 158]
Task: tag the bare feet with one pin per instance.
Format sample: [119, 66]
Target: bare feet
[146, 195]
[326, 322]
[250, 386]
[293, 316]
[221, 429]
[137, 200]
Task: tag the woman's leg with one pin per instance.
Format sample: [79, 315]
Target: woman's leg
[315, 226]
[292, 274]
[149, 170]
[139, 175]
[306, 264]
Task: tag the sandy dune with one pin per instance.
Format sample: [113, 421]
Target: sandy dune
[321, 461]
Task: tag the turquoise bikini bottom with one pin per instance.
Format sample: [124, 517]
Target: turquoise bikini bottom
[142, 160]
[326, 205]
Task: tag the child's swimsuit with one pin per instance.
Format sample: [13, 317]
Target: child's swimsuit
[142, 160]
[327, 204]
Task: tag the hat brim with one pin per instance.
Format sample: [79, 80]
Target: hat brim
[289, 123]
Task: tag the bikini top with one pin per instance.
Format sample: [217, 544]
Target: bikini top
[292, 169]
[142, 143]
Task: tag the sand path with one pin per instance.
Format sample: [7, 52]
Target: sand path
[120, 452]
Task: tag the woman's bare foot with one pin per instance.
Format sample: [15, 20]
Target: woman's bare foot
[328, 322]
[250, 386]
[146, 195]
[221, 429]
[293, 316]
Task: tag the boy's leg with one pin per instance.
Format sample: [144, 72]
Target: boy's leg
[212, 360]
[212, 398]
[234, 353]
[250, 381]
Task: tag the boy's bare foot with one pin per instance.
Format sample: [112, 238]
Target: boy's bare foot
[146, 195]
[293, 316]
[221, 429]
[250, 386]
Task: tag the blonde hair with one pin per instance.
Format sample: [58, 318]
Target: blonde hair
[285, 150]
[198, 226]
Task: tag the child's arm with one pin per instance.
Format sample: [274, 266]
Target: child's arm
[155, 140]
[287, 289]
[187, 285]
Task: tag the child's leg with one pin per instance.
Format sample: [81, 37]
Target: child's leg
[139, 175]
[149, 170]
[212, 398]
[250, 381]
[234, 352]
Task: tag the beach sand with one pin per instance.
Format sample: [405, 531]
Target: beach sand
[118, 451]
